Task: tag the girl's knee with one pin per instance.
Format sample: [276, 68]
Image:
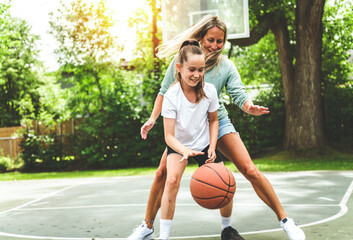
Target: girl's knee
[173, 182]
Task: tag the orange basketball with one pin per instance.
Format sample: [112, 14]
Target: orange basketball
[212, 185]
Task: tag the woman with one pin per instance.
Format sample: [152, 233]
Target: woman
[211, 32]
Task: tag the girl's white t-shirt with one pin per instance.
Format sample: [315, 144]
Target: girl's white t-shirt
[191, 119]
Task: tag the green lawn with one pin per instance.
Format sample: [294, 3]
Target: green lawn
[279, 161]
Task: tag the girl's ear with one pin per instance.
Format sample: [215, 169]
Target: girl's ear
[178, 67]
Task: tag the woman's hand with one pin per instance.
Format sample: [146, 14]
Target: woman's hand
[146, 128]
[190, 153]
[211, 156]
[257, 110]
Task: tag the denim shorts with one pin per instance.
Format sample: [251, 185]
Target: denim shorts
[225, 127]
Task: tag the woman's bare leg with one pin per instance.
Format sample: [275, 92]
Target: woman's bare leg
[233, 148]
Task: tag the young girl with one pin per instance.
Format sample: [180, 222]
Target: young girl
[190, 124]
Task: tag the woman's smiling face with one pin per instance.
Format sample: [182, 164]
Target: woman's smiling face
[213, 40]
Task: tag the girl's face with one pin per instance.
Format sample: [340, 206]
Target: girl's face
[213, 40]
[192, 70]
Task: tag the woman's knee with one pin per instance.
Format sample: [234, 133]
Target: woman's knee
[161, 174]
[252, 173]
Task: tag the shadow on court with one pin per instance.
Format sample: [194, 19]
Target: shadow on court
[109, 208]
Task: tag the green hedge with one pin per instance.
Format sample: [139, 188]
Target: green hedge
[111, 139]
[260, 133]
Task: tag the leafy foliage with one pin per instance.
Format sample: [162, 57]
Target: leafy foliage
[108, 99]
[41, 152]
[337, 73]
[261, 133]
[107, 138]
[145, 64]
[18, 70]
[113, 103]
[82, 31]
[258, 64]
[53, 102]
[5, 162]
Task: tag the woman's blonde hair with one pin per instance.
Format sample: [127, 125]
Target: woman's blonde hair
[197, 31]
[187, 48]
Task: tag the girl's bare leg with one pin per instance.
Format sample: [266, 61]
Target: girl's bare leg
[175, 170]
[227, 210]
[156, 192]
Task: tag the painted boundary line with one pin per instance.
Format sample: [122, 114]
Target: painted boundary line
[342, 205]
[38, 199]
[144, 204]
[34, 201]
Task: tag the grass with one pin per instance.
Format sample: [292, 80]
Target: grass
[326, 159]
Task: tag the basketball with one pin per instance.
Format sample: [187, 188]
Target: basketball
[212, 185]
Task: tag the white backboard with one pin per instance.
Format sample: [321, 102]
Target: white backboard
[178, 15]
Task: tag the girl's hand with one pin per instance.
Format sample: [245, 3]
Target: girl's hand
[146, 128]
[190, 153]
[211, 156]
[257, 110]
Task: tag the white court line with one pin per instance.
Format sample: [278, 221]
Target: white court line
[89, 196]
[342, 205]
[327, 199]
[179, 204]
[38, 204]
[38, 199]
[55, 238]
[34, 201]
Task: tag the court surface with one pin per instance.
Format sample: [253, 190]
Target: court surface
[110, 208]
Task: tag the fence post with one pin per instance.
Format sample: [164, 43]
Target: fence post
[11, 147]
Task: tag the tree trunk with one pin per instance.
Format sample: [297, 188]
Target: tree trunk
[155, 40]
[304, 116]
[301, 80]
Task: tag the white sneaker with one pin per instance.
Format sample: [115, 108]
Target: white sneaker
[293, 231]
[142, 233]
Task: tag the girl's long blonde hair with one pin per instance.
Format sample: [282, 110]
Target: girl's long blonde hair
[190, 47]
[197, 31]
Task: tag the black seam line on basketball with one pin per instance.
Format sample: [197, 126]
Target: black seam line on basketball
[210, 185]
[213, 198]
[220, 176]
[226, 196]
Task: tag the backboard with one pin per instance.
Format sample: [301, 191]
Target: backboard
[178, 15]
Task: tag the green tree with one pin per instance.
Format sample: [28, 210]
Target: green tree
[86, 47]
[297, 27]
[107, 97]
[260, 62]
[18, 70]
[149, 35]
